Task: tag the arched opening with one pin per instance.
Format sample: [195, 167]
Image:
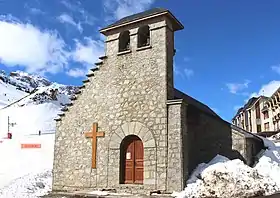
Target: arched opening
[131, 160]
[143, 36]
[124, 41]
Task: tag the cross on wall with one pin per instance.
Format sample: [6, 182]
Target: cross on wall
[93, 135]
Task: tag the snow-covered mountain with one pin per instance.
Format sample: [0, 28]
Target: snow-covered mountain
[31, 102]
[31, 89]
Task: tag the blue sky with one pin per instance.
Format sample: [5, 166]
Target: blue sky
[228, 51]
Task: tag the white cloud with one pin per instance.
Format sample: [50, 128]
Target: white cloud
[182, 72]
[276, 68]
[176, 70]
[33, 9]
[65, 18]
[36, 10]
[76, 6]
[267, 89]
[235, 88]
[87, 52]
[188, 72]
[76, 72]
[121, 8]
[28, 46]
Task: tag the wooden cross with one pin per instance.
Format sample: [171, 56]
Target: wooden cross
[93, 135]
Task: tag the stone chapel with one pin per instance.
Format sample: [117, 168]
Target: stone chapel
[128, 128]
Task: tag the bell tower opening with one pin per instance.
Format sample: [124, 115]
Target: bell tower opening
[124, 41]
[143, 36]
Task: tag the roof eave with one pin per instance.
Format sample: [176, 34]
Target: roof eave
[176, 24]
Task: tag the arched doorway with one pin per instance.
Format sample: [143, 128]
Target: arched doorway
[132, 160]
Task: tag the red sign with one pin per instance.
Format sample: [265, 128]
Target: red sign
[30, 146]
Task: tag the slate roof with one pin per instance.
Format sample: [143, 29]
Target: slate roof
[245, 133]
[180, 95]
[140, 15]
[250, 102]
[204, 108]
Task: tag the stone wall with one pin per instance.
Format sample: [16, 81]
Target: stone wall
[128, 88]
[176, 129]
[209, 135]
[250, 146]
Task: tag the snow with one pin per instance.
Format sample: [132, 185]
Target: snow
[26, 172]
[22, 170]
[224, 178]
[9, 94]
[29, 119]
[19, 162]
[29, 186]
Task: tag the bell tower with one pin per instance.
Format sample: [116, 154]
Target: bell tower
[146, 40]
[137, 76]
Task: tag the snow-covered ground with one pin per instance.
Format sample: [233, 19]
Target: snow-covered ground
[26, 172]
[223, 178]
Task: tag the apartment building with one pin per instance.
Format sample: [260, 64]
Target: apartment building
[255, 116]
[273, 106]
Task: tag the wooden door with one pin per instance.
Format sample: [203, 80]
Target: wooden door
[139, 162]
[134, 166]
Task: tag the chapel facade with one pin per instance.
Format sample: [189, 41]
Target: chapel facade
[128, 128]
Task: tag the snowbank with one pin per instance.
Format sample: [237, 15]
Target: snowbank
[29, 186]
[225, 178]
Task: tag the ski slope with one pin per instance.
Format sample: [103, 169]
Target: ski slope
[29, 119]
[9, 94]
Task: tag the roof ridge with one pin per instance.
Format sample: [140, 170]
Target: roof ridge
[141, 15]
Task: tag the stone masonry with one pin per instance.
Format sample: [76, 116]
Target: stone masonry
[127, 95]
[132, 93]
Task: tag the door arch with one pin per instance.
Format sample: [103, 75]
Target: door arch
[132, 160]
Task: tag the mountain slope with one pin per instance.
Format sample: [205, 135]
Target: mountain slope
[31, 102]
[9, 94]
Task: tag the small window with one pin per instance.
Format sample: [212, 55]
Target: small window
[258, 110]
[143, 36]
[265, 115]
[259, 128]
[124, 41]
[266, 126]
